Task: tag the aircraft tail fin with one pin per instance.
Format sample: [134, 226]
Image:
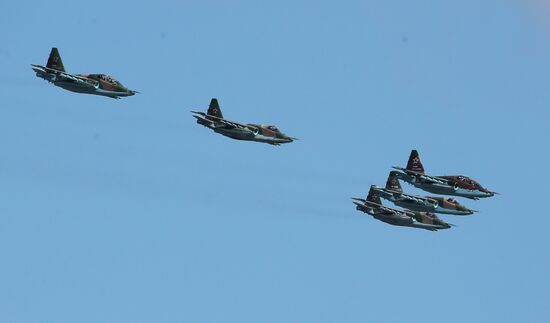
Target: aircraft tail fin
[54, 61]
[214, 109]
[414, 163]
[393, 182]
[374, 197]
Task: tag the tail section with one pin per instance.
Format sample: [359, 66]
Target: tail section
[414, 163]
[214, 109]
[393, 182]
[374, 197]
[54, 61]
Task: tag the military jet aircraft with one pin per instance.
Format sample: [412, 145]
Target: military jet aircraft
[99, 84]
[394, 193]
[422, 220]
[214, 120]
[457, 185]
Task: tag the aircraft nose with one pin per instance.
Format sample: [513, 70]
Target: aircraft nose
[465, 210]
[488, 193]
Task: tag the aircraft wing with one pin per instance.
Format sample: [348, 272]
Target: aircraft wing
[222, 123]
[208, 117]
[231, 124]
[381, 207]
[383, 213]
[64, 76]
[435, 180]
[426, 178]
[405, 197]
[78, 79]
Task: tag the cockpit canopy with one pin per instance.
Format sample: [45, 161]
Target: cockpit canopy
[272, 128]
[271, 131]
[468, 181]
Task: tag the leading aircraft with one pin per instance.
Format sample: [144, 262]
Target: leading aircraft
[214, 120]
[99, 84]
[457, 185]
[394, 193]
[422, 220]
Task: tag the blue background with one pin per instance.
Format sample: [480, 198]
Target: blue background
[128, 211]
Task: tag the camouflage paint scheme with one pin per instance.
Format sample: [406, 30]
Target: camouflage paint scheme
[394, 193]
[457, 185]
[98, 84]
[422, 220]
[214, 120]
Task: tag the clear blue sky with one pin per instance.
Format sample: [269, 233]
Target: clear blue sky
[127, 211]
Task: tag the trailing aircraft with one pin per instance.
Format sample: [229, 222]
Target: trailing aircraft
[422, 220]
[98, 84]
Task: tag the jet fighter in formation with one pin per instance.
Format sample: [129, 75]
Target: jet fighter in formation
[98, 84]
[422, 220]
[457, 185]
[422, 208]
[214, 120]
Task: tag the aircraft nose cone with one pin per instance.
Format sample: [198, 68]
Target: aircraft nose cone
[488, 193]
[289, 139]
[466, 210]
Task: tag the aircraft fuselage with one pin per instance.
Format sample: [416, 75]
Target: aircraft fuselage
[422, 203]
[398, 218]
[248, 133]
[444, 189]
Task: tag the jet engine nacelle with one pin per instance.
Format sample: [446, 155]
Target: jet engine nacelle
[431, 202]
